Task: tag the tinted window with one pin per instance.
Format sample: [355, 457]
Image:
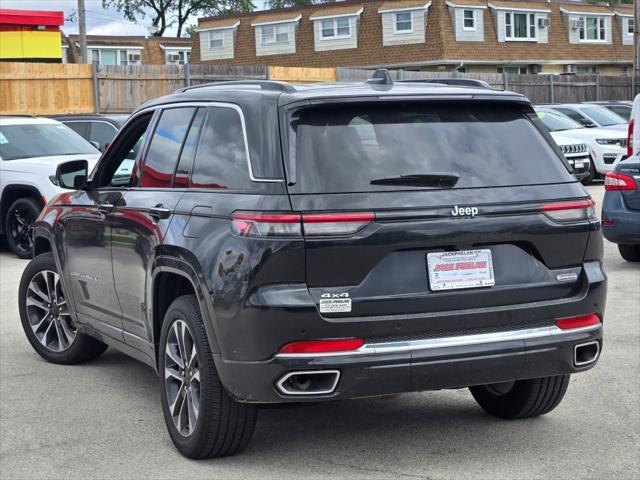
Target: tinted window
[557, 122]
[102, 133]
[162, 156]
[181, 179]
[603, 116]
[79, 127]
[367, 148]
[221, 159]
[623, 111]
[571, 114]
[41, 140]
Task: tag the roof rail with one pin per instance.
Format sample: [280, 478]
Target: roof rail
[262, 84]
[453, 81]
[380, 77]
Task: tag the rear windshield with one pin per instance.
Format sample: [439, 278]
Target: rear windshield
[413, 146]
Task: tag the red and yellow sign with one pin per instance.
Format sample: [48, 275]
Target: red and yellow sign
[30, 35]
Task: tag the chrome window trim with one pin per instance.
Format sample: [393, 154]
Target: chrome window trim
[205, 104]
[446, 342]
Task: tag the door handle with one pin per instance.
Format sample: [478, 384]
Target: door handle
[159, 212]
[106, 207]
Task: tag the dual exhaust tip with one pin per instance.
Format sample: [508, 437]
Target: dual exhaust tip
[586, 353]
[324, 382]
[314, 382]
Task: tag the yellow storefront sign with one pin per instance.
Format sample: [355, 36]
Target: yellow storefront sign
[30, 44]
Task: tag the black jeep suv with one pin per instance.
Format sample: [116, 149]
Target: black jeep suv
[276, 244]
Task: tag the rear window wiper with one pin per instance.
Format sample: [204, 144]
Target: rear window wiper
[420, 180]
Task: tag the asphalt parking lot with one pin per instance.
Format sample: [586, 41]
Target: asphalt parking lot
[104, 420]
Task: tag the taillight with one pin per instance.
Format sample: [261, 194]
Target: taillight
[618, 181]
[323, 346]
[273, 224]
[630, 138]
[570, 211]
[578, 322]
[335, 223]
[260, 224]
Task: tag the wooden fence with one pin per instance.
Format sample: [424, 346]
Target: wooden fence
[537, 88]
[47, 89]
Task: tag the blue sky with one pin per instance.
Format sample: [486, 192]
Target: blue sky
[99, 21]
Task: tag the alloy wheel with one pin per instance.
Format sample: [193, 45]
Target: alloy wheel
[182, 377]
[21, 222]
[48, 312]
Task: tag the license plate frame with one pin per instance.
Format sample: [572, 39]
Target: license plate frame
[459, 270]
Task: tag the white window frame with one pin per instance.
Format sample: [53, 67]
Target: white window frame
[210, 34]
[276, 30]
[509, 24]
[184, 53]
[512, 67]
[473, 27]
[601, 29]
[334, 22]
[395, 22]
[120, 50]
[630, 26]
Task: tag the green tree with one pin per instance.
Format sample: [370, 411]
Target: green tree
[165, 13]
[191, 30]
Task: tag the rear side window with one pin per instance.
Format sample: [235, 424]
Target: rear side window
[571, 114]
[181, 179]
[221, 158]
[102, 133]
[408, 146]
[162, 155]
[79, 127]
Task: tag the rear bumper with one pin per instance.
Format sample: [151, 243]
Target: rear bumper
[625, 226]
[452, 362]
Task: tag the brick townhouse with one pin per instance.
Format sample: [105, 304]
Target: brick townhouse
[128, 50]
[513, 36]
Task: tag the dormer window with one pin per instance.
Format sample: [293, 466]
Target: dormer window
[336, 28]
[275, 34]
[520, 26]
[403, 22]
[630, 26]
[469, 20]
[592, 29]
[216, 39]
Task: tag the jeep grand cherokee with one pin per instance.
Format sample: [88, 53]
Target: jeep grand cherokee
[279, 244]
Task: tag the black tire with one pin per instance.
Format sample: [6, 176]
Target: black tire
[522, 398]
[223, 426]
[81, 348]
[18, 225]
[631, 253]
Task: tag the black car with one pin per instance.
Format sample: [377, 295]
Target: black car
[277, 244]
[96, 128]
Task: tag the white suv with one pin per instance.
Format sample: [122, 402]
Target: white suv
[30, 151]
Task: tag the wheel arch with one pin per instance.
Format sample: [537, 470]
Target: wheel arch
[13, 192]
[171, 278]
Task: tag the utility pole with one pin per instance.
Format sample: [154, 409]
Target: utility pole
[636, 37]
[82, 31]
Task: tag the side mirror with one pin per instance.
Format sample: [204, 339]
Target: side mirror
[587, 123]
[73, 175]
[95, 144]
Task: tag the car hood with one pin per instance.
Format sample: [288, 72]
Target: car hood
[51, 163]
[592, 133]
[561, 139]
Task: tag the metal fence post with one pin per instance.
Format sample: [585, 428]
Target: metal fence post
[633, 86]
[505, 81]
[96, 88]
[187, 75]
[401, 74]
[597, 87]
[552, 93]
[267, 73]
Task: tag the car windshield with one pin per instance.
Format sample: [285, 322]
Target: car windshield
[603, 116]
[556, 122]
[41, 140]
[411, 145]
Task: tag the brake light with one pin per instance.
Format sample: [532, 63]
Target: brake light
[630, 138]
[570, 211]
[335, 223]
[323, 346]
[619, 181]
[260, 224]
[578, 322]
[274, 224]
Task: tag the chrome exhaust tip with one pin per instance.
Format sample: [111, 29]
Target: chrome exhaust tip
[313, 382]
[586, 353]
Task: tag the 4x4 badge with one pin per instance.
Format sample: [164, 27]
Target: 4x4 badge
[464, 211]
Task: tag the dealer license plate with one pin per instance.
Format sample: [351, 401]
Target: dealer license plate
[454, 270]
[579, 165]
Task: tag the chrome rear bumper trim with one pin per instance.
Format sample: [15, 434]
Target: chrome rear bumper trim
[446, 342]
